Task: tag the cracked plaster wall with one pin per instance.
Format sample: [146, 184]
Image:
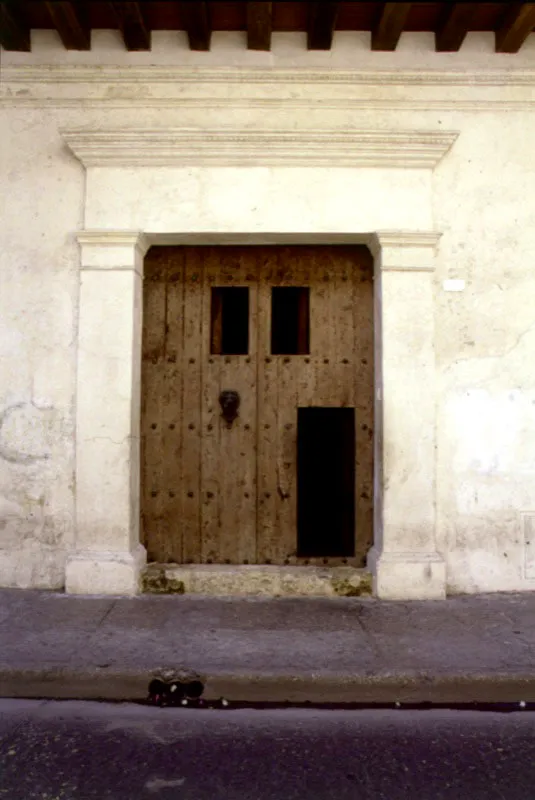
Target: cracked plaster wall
[40, 205]
[484, 198]
[483, 201]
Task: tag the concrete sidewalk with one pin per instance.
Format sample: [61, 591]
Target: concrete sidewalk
[270, 650]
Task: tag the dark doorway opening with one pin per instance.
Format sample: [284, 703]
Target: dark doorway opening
[229, 329]
[290, 326]
[326, 483]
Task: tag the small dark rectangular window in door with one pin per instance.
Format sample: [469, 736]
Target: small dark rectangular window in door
[290, 325]
[325, 482]
[229, 329]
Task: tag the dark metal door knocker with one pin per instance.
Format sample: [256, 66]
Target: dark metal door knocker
[229, 400]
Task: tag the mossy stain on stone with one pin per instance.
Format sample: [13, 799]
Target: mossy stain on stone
[158, 582]
[343, 587]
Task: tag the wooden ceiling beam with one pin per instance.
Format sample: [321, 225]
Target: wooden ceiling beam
[385, 35]
[450, 36]
[132, 24]
[518, 23]
[70, 19]
[196, 17]
[259, 25]
[14, 32]
[321, 23]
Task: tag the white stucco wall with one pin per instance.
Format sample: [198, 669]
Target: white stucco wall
[481, 196]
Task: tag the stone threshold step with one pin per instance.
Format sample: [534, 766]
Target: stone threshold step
[257, 580]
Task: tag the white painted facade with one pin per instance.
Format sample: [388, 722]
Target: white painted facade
[427, 157]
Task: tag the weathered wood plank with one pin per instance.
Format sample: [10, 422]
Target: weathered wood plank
[71, 21]
[132, 24]
[154, 305]
[172, 413]
[451, 34]
[248, 421]
[518, 23]
[14, 31]
[341, 268]
[321, 24]
[237, 542]
[363, 310]
[154, 403]
[190, 483]
[154, 466]
[386, 34]
[211, 487]
[322, 315]
[292, 264]
[267, 388]
[196, 17]
[259, 25]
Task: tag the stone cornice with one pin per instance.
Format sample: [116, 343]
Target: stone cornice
[178, 147]
[111, 75]
[408, 238]
[405, 251]
[111, 250]
[277, 89]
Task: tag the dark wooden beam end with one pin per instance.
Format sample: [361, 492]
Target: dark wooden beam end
[196, 16]
[132, 25]
[450, 36]
[321, 25]
[70, 19]
[14, 32]
[259, 25]
[385, 35]
[518, 23]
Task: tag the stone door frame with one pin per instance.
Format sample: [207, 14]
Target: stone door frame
[277, 187]
[108, 557]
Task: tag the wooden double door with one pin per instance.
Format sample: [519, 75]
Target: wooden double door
[257, 404]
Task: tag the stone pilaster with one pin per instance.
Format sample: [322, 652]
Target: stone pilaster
[404, 559]
[108, 557]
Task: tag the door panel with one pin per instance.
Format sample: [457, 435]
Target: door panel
[229, 495]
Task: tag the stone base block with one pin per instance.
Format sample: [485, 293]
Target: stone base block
[266, 580]
[32, 568]
[105, 572]
[407, 576]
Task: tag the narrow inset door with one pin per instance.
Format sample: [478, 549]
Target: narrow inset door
[325, 482]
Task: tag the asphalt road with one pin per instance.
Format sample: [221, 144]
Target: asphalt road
[73, 750]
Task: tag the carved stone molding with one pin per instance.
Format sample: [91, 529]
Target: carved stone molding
[111, 250]
[405, 251]
[111, 75]
[179, 147]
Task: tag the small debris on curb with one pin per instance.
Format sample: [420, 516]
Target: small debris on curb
[163, 693]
